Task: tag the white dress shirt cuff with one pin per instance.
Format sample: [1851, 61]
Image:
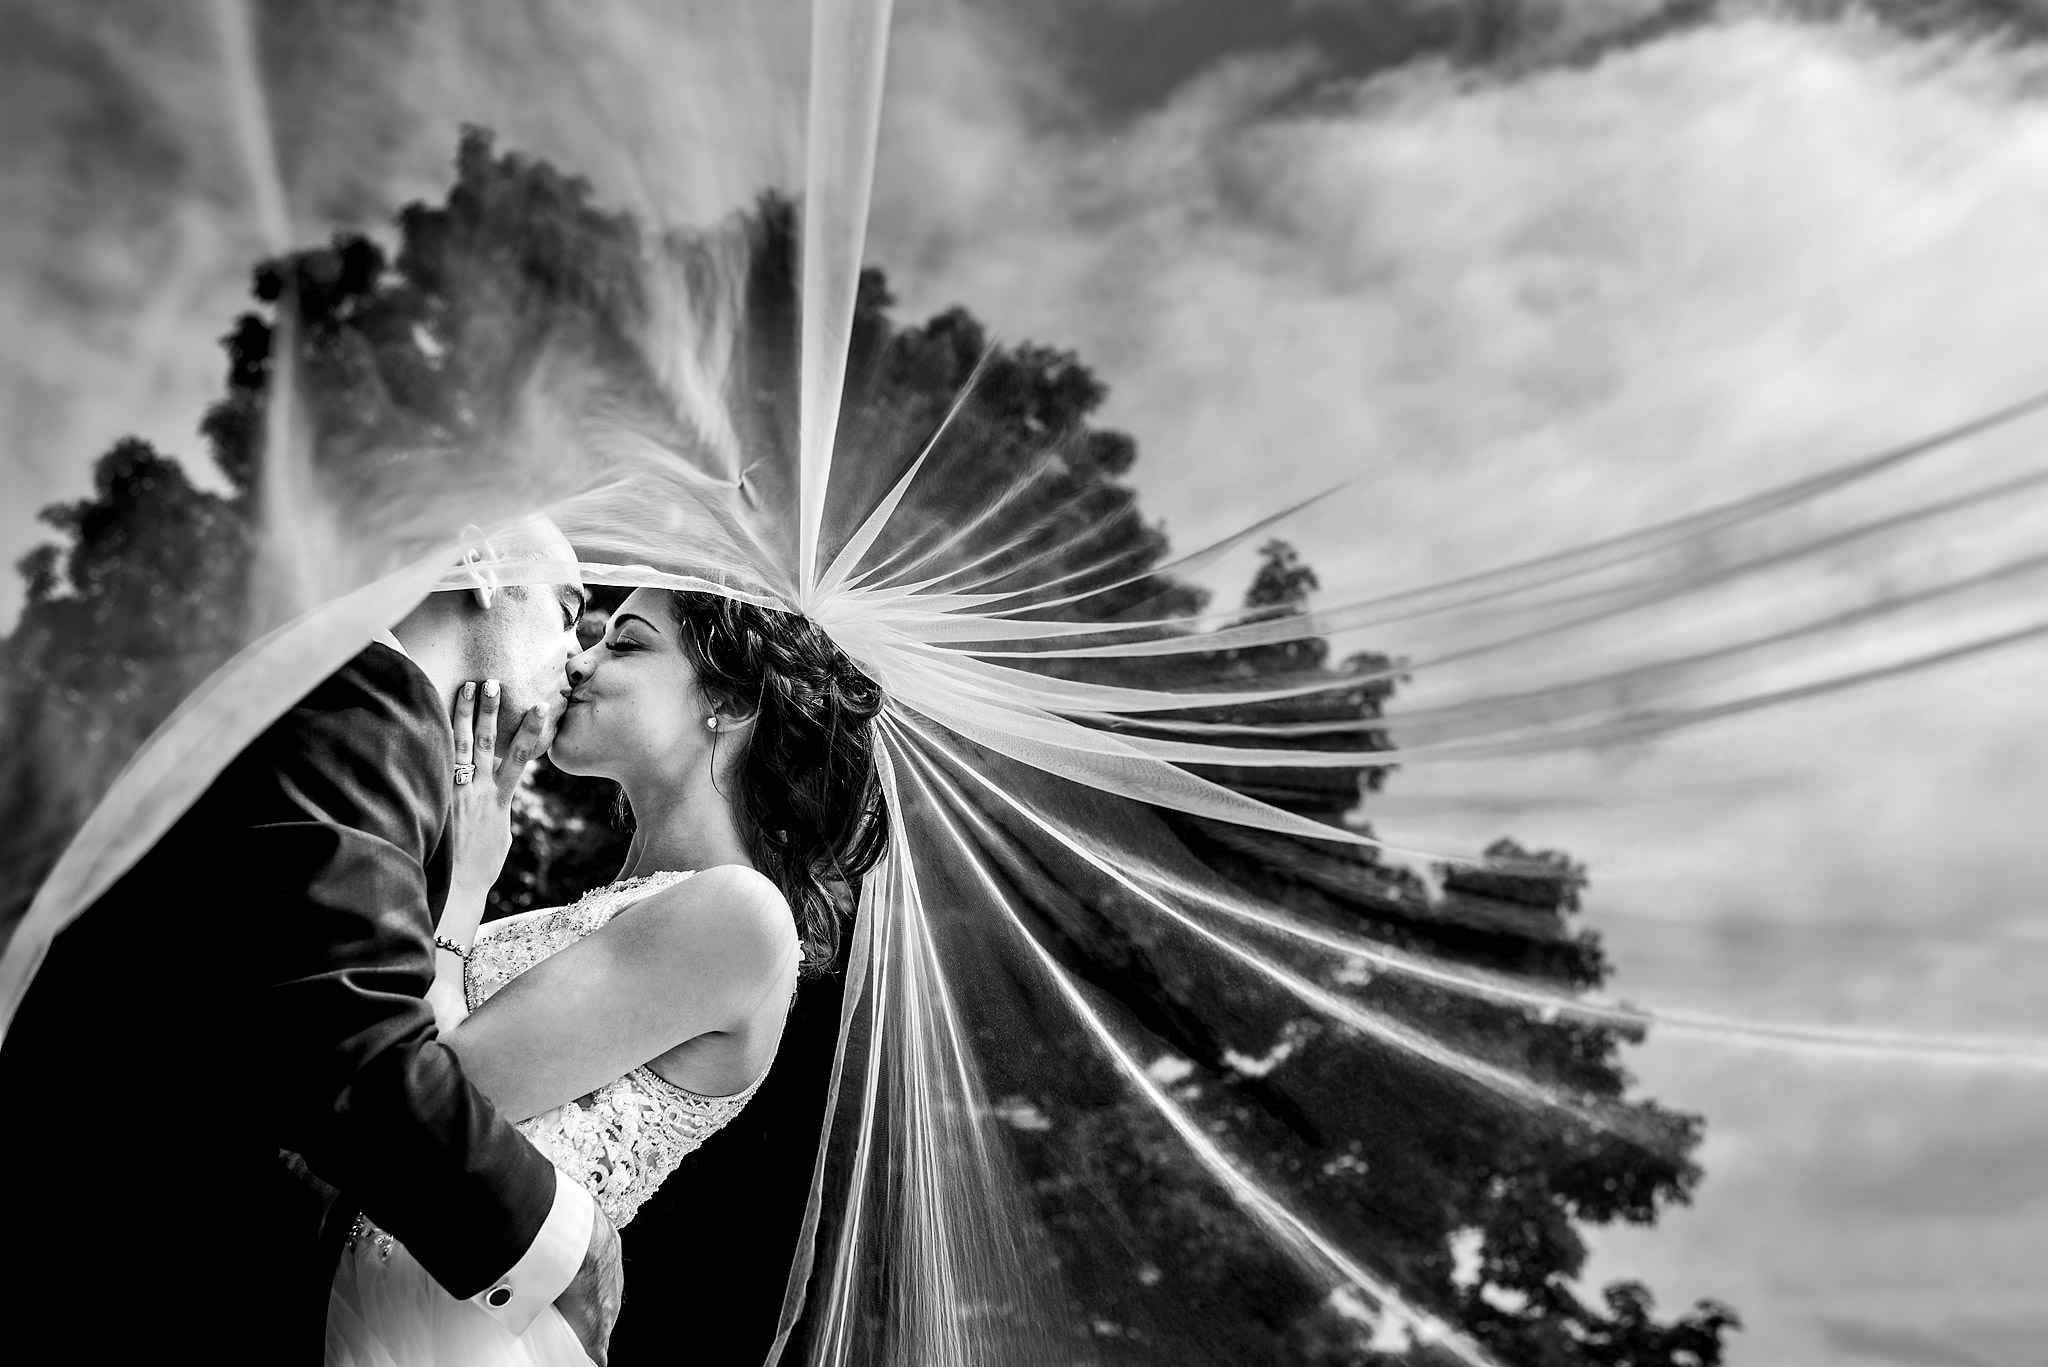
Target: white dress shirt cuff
[550, 1264]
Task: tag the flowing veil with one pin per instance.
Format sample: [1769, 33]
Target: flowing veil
[1168, 1015]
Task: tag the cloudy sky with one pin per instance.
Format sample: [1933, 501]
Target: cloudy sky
[1540, 272]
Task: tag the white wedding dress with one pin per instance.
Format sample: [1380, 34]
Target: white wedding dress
[619, 1142]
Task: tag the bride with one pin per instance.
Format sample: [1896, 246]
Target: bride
[624, 1030]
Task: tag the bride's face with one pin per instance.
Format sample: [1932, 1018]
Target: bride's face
[633, 706]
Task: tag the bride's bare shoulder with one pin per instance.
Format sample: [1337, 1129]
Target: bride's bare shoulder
[729, 910]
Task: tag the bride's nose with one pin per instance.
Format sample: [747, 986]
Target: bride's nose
[582, 666]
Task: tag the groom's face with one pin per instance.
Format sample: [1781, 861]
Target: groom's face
[528, 633]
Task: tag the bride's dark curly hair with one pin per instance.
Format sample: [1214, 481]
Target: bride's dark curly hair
[807, 789]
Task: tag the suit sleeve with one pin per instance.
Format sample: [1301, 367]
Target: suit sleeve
[348, 802]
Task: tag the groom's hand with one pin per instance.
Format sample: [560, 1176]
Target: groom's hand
[591, 1303]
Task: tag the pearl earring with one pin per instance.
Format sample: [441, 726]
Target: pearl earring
[711, 723]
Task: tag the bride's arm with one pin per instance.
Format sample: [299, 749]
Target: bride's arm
[693, 959]
[454, 934]
[445, 995]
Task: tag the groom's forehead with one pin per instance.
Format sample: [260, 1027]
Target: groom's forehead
[547, 576]
[557, 579]
[539, 569]
[532, 552]
[533, 539]
[535, 552]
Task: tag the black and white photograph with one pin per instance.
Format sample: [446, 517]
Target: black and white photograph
[1024, 683]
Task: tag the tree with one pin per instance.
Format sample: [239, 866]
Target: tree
[1471, 1204]
[116, 627]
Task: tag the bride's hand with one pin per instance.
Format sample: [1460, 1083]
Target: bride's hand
[481, 824]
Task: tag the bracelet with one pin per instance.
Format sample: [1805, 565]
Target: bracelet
[443, 942]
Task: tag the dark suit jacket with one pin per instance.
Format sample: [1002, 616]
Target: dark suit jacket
[255, 984]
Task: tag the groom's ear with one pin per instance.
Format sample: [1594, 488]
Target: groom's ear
[483, 578]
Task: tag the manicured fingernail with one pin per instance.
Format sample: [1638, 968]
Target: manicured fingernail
[469, 690]
[490, 688]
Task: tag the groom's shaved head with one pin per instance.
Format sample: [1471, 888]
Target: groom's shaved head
[513, 563]
[527, 540]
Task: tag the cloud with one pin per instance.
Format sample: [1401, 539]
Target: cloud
[1712, 254]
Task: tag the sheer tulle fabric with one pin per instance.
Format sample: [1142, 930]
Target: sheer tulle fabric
[1042, 930]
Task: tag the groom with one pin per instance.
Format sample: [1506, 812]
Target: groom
[257, 983]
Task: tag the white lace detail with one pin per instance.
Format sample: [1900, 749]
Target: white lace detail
[623, 1139]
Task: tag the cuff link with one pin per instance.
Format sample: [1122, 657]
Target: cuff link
[498, 1297]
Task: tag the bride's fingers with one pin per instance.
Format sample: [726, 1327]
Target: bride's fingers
[465, 723]
[525, 748]
[486, 724]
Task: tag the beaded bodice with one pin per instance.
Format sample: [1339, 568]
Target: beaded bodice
[623, 1139]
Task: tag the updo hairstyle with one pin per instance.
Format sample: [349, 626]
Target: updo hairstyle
[806, 787]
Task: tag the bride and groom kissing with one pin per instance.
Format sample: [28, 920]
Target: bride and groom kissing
[278, 1096]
